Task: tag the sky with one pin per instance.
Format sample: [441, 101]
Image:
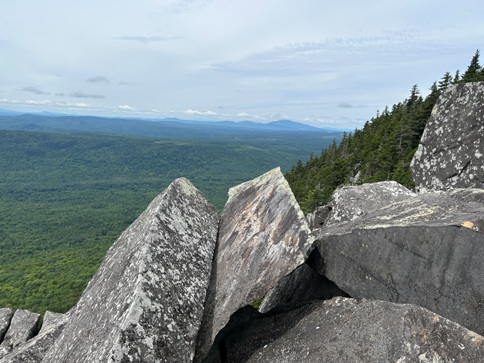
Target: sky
[324, 63]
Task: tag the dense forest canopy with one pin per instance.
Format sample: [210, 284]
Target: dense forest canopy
[381, 151]
[65, 197]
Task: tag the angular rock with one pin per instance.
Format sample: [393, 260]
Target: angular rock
[35, 349]
[23, 326]
[413, 251]
[352, 202]
[263, 236]
[5, 318]
[346, 330]
[145, 303]
[451, 150]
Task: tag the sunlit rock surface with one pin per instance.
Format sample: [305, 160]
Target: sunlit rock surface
[263, 236]
[34, 349]
[451, 150]
[23, 326]
[145, 303]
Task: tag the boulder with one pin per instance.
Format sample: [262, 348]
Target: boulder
[347, 330]
[451, 150]
[416, 250]
[263, 236]
[35, 349]
[23, 326]
[145, 302]
[5, 318]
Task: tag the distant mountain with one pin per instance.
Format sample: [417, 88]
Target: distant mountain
[165, 128]
[4, 112]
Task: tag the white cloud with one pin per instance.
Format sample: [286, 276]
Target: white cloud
[79, 94]
[199, 113]
[126, 108]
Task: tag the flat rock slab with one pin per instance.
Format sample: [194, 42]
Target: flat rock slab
[145, 303]
[23, 326]
[346, 330]
[451, 150]
[263, 236]
[421, 250]
[35, 349]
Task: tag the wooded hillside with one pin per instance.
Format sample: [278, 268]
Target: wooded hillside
[381, 151]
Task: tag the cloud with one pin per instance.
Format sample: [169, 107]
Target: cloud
[34, 90]
[97, 79]
[349, 105]
[126, 108]
[145, 39]
[79, 94]
[199, 113]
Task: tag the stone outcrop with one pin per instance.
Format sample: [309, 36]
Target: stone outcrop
[145, 303]
[411, 250]
[347, 330]
[451, 150]
[263, 236]
[23, 326]
[35, 349]
[5, 318]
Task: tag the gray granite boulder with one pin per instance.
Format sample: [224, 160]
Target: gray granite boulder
[263, 236]
[347, 330]
[5, 318]
[416, 250]
[35, 349]
[23, 326]
[145, 303]
[451, 150]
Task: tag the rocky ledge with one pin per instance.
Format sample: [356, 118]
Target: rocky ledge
[380, 274]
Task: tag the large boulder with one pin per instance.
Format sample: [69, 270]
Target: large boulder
[23, 326]
[451, 150]
[414, 250]
[145, 303]
[347, 330]
[35, 349]
[263, 236]
[5, 318]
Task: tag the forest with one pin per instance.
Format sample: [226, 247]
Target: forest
[65, 197]
[382, 150]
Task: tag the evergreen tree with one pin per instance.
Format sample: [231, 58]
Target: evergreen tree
[445, 82]
[473, 71]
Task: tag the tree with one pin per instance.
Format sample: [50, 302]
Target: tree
[473, 71]
[445, 82]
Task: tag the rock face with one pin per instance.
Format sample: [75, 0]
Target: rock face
[35, 349]
[145, 303]
[263, 236]
[413, 250]
[5, 318]
[23, 326]
[347, 330]
[451, 151]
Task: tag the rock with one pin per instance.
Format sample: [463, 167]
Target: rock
[5, 318]
[35, 349]
[346, 330]
[145, 303]
[302, 285]
[352, 202]
[23, 326]
[412, 251]
[52, 320]
[451, 150]
[263, 236]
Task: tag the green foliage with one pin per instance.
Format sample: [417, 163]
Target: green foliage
[381, 151]
[64, 198]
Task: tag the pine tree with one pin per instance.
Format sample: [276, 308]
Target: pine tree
[474, 69]
[445, 82]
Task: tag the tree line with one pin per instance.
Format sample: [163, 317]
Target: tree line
[382, 150]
